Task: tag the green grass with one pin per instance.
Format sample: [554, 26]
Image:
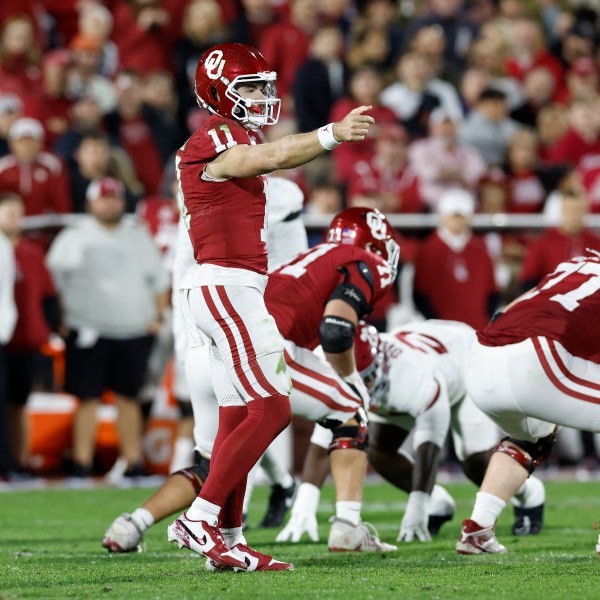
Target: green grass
[50, 548]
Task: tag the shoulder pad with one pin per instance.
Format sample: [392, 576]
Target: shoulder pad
[367, 274]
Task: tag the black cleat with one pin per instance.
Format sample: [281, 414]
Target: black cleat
[280, 501]
[435, 522]
[528, 521]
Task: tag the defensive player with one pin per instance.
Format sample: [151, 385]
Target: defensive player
[346, 275]
[220, 174]
[533, 368]
[415, 376]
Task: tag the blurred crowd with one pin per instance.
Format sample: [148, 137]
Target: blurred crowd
[481, 106]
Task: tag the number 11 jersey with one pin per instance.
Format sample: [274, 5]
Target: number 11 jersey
[564, 307]
[225, 217]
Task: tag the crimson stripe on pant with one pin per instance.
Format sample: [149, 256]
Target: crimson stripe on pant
[319, 377]
[247, 341]
[554, 379]
[321, 397]
[231, 339]
[563, 368]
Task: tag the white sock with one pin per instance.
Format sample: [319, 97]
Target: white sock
[441, 502]
[249, 489]
[183, 454]
[143, 518]
[275, 469]
[531, 493]
[233, 536]
[203, 510]
[487, 509]
[349, 511]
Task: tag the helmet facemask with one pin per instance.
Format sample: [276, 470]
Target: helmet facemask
[255, 114]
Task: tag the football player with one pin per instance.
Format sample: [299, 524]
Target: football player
[534, 368]
[221, 180]
[415, 376]
[316, 298]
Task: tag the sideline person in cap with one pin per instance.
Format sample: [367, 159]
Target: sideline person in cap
[113, 291]
[454, 274]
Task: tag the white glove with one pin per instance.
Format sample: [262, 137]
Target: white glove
[304, 515]
[414, 522]
[355, 381]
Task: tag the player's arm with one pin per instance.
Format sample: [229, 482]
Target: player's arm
[290, 151]
[431, 428]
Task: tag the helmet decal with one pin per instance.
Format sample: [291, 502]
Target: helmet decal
[376, 223]
[214, 64]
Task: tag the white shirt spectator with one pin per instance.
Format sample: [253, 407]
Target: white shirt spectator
[8, 309]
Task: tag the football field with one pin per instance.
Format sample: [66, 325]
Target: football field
[50, 548]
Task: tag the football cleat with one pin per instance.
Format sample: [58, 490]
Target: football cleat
[280, 501]
[204, 539]
[344, 536]
[254, 560]
[435, 522]
[123, 535]
[598, 546]
[528, 521]
[475, 539]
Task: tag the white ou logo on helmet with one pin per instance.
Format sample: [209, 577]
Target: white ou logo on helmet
[377, 225]
[214, 64]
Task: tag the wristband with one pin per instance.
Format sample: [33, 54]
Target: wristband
[326, 137]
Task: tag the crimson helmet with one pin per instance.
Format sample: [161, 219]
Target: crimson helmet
[367, 228]
[221, 69]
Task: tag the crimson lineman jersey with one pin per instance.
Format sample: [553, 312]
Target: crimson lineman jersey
[297, 292]
[225, 218]
[564, 307]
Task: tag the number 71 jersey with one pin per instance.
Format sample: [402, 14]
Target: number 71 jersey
[297, 292]
[226, 219]
[564, 307]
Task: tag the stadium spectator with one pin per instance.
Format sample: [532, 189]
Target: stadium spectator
[8, 319]
[364, 89]
[96, 20]
[160, 95]
[253, 21]
[19, 52]
[84, 78]
[11, 109]
[552, 124]
[415, 95]
[145, 32]
[52, 102]
[539, 88]
[528, 52]
[490, 54]
[454, 274]
[369, 45]
[558, 244]
[321, 80]
[459, 30]
[387, 181]
[579, 40]
[143, 132]
[527, 193]
[442, 162]
[285, 45]
[488, 127]
[112, 288]
[94, 159]
[85, 117]
[493, 192]
[203, 26]
[581, 81]
[37, 307]
[38, 177]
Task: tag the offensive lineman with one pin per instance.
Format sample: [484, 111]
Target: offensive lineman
[221, 181]
[533, 368]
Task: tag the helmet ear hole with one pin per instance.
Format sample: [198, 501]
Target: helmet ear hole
[214, 93]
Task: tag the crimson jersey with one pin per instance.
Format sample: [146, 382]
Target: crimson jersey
[298, 291]
[563, 307]
[225, 218]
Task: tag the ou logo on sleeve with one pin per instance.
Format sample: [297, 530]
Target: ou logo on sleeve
[377, 225]
[214, 64]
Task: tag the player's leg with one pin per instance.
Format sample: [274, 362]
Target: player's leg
[247, 342]
[498, 379]
[320, 394]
